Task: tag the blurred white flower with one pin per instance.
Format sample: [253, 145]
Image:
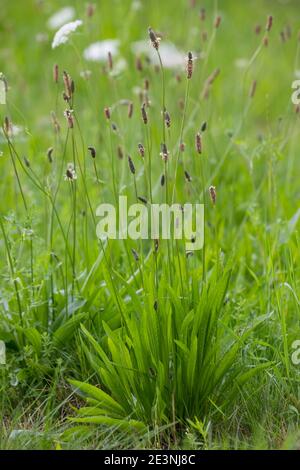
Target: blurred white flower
[16, 130]
[241, 63]
[61, 17]
[136, 5]
[98, 51]
[119, 66]
[62, 35]
[170, 55]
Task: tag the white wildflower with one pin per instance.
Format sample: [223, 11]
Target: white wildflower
[119, 66]
[170, 55]
[62, 35]
[61, 17]
[16, 130]
[98, 51]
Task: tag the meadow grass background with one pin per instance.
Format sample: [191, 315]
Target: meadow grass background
[210, 366]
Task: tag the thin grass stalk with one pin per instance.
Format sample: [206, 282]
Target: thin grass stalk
[204, 223]
[187, 89]
[164, 142]
[35, 180]
[10, 261]
[83, 174]
[74, 193]
[28, 223]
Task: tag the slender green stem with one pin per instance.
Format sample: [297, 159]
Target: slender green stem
[187, 88]
[204, 222]
[74, 193]
[11, 265]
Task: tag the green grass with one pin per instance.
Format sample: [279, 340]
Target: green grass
[112, 348]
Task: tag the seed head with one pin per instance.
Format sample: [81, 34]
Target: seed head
[217, 21]
[164, 152]
[156, 245]
[7, 125]
[182, 147]
[66, 97]
[202, 14]
[257, 29]
[146, 84]
[167, 119]
[107, 113]
[187, 176]
[213, 194]
[69, 118]
[138, 64]
[70, 173]
[141, 150]
[55, 73]
[49, 154]
[26, 162]
[253, 89]
[120, 152]
[110, 61]
[282, 35]
[131, 165]
[135, 255]
[144, 113]
[153, 38]
[190, 65]
[90, 9]
[198, 143]
[203, 126]
[130, 109]
[92, 151]
[269, 23]
[67, 83]
[162, 180]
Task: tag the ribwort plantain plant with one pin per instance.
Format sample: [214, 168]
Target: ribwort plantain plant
[163, 343]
